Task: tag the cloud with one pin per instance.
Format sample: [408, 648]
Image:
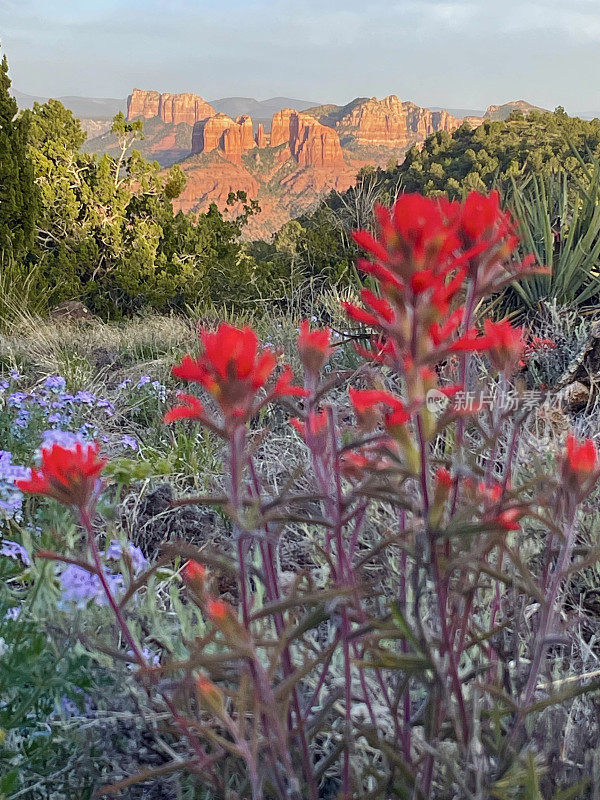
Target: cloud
[580, 21]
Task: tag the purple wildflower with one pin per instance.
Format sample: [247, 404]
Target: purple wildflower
[107, 405]
[16, 399]
[15, 550]
[11, 499]
[80, 587]
[55, 383]
[115, 551]
[88, 398]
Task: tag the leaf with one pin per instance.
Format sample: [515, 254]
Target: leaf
[561, 697]
[574, 792]
[404, 627]
[9, 781]
[406, 662]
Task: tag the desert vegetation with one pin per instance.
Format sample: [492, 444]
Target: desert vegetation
[315, 517]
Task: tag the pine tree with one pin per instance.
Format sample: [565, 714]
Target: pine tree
[18, 193]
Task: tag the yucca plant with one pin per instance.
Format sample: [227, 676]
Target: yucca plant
[560, 225]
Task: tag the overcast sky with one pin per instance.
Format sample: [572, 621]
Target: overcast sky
[458, 53]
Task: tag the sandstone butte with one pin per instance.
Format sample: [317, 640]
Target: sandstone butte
[392, 123]
[172, 109]
[305, 155]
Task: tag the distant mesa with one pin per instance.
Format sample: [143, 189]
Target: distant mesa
[97, 108]
[502, 112]
[171, 108]
[389, 122]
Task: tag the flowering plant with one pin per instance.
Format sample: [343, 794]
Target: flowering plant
[438, 676]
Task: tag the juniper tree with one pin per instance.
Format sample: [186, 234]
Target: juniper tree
[18, 193]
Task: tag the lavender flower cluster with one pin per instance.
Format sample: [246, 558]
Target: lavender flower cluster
[11, 499]
[51, 404]
[79, 587]
[154, 387]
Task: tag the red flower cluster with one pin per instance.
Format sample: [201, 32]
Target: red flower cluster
[504, 344]
[315, 425]
[194, 574]
[424, 252]
[232, 369]
[581, 464]
[69, 475]
[314, 347]
[536, 344]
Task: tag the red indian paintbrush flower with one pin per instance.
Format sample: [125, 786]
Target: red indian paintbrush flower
[232, 369]
[209, 695]
[315, 425]
[190, 408]
[444, 478]
[367, 404]
[504, 344]
[313, 346]
[194, 574]
[284, 387]
[218, 609]
[69, 475]
[481, 214]
[581, 467]
[581, 457]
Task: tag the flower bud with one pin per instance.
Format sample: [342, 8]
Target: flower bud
[443, 484]
[194, 575]
[581, 466]
[209, 695]
[313, 347]
[224, 617]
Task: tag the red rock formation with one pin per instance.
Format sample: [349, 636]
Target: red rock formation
[474, 122]
[171, 108]
[280, 126]
[213, 184]
[143, 104]
[189, 108]
[222, 133]
[246, 131]
[392, 123]
[261, 136]
[313, 144]
[309, 161]
[208, 134]
[231, 144]
[310, 142]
